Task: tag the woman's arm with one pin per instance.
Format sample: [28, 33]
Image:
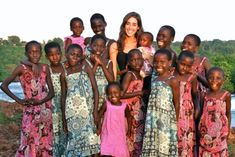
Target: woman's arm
[113, 52]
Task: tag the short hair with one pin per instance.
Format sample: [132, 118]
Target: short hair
[149, 34]
[50, 45]
[165, 52]
[75, 19]
[196, 38]
[171, 29]
[117, 84]
[186, 54]
[98, 36]
[74, 46]
[30, 43]
[97, 16]
[214, 69]
[132, 52]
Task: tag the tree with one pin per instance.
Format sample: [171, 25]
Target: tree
[14, 40]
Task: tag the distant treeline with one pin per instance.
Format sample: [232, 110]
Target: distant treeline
[220, 53]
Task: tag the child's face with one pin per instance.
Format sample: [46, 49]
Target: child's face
[189, 44]
[145, 41]
[98, 26]
[161, 63]
[74, 56]
[164, 38]
[54, 56]
[215, 80]
[131, 27]
[77, 28]
[136, 61]
[114, 94]
[184, 65]
[34, 53]
[98, 46]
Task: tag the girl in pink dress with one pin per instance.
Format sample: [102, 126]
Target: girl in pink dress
[216, 117]
[132, 95]
[36, 131]
[113, 134]
[189, 104]
[77, 27]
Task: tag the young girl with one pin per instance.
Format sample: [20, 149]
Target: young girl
[54, 54]
[165, 37]
[215, 120]
[36, 131]
[113, 134]
[131, 94]
[81, 107]
[101, 66]
[189, 104]
[163, 109]
[145, 46]
[77, 27]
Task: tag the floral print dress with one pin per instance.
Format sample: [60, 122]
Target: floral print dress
[186, 123]
[36, 131]
[160, 139]
[137, 112]
[59, 141]
[82, 139]
[213, 128]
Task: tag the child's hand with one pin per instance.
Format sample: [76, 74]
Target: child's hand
[33, 102]
[36, 70]
[98, 60]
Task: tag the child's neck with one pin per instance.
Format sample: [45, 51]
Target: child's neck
[76, 36]
[164, 75]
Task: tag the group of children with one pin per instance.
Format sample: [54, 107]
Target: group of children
[164, 105]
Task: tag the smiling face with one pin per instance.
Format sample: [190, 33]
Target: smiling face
[189, 44]
[184, 65]
[131, 27]
[34, 53]
[74, 56]
[114, 94]
[98, 26]
[98, 46]
[164, 38]
[54, 56]
[136, 61]
[77, 28]
[161, 63]
[215, 80]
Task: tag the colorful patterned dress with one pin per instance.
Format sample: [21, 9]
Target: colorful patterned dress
[59, 141]
[36, 131]
[213, 128]
[186, 123]
[82, 139]
[160, 139]
[113, 135]
[101, 81]
[137, 112]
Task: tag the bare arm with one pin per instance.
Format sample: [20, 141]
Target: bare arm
[67, 43]
[228, 110]
[125, 83]
[175, 89]
[195, 99]
[113, 52]
[128, 117]
[101, 115]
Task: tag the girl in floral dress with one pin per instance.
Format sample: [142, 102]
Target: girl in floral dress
[36, 131]
[132, 95]
[101, 66]
[162, 112]
[189, 104]
[216, 117]
[81, 107]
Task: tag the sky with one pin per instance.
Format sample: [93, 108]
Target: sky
[47, 19]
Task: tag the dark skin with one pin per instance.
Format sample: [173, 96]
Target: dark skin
[162, 65]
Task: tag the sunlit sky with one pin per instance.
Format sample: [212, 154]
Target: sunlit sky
[46, 19]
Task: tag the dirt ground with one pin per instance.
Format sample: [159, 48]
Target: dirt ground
[10, 121]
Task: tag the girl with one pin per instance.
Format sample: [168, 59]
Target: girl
[81, 105]
[215, 120]
[101, 66]
[36, 131]
[54, 54]
[163, 109]
[165, 37]
[113, 134]
[98, 25]
[77, 27]
[131, 94]
[189, 104]
[130, 30]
